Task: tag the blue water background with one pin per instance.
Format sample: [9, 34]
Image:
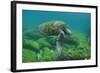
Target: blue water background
[78, 22]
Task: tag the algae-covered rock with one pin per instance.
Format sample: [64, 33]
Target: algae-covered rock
[33, 45]
[32, 35]
[48, 54]
[53, 54]
[29, 56]
[46, 49]
[26, 43]
[80, 37]
[67, 46]
[85, 53]
[82, 51]
[43, 42]
[51, 40]
[73, 53]
[78, 40]
[72, 41]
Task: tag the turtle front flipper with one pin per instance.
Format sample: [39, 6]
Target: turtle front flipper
[59, 43]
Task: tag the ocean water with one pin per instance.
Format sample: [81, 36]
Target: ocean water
[78, 22]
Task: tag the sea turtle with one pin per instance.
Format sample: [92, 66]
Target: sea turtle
[57, 28]
[53, 27]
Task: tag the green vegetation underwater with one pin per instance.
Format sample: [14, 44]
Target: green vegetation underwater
[55, 36]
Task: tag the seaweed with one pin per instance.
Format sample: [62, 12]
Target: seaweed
[29, 56]
[82, 51]
[76, 47]
[43, 42]
[48, 55]
[31, 44]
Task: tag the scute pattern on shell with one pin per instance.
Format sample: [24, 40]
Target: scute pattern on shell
[52, 27]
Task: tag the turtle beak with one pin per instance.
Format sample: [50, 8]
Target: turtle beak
[69, 31]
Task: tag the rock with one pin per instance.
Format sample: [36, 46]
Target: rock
[43, 42]
[48, 54]
[29, 56]
[33, 35]
[51, 40]
[33, 45]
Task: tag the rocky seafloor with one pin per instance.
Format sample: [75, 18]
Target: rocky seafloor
[41, 48]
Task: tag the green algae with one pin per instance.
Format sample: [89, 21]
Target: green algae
[75, 47]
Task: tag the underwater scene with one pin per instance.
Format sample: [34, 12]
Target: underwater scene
[55, 36]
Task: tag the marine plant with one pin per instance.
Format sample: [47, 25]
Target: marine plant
[82, 51]
[29, 56]
[48, 54]
[43, 42]
[31, 44]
